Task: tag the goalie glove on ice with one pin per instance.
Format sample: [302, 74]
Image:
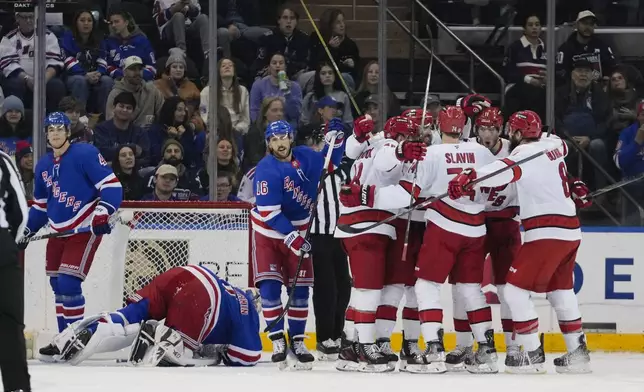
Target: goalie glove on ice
[459, 185]
[101, 221]
[355, 195]
[297, 244]
[579, 193]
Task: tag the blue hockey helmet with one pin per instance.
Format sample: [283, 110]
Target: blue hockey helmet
[278, 128]
[57, 120]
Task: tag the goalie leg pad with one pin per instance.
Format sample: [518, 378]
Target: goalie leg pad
[108, 337]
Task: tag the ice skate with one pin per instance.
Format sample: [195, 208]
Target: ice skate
[371, 359]
[575, 362]
[50, 354]
[520, 361]
[327, 350]
[408, 351]
[432, 360]
[348, 357]
[485, 360]
[299, 355]
[455, 359]
[384, 345]
[279, 350]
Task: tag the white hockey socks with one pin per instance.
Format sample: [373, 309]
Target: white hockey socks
[506, 317]
[430, 311]
[411, 324]
[464, 337]
[524, 316]
[390, 298]
[479, 313]
[365, 304]
[567, 309]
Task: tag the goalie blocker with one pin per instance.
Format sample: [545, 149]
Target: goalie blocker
[207, 321]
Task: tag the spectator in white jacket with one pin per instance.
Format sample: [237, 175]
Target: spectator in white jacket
[17, 63]
[231, 95]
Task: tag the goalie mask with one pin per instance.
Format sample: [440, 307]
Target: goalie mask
[57, 128]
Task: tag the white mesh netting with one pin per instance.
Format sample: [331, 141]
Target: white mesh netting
[157, 239]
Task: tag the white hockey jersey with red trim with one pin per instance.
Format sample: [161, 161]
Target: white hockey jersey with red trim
[444, 161]
[546, 209]
[370, 168]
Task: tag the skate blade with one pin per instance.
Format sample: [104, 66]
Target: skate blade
[530, 369]
[430, 368]
[326, 357]
[346, 366]
[578, 368]
[483, 368]
[292, 363]
[51, 358]
[370, 368]
[455, 367]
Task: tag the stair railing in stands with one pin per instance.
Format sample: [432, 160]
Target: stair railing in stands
[472, 53]
[420, 43]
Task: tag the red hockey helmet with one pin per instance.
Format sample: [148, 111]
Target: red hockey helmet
[452, 120]
[490, 117]
[527, 122]
[400, 126]
[416, 115]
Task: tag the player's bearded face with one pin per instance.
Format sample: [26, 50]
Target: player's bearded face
[280, 146]
[515, 139]
[56, 136]
[488, 136]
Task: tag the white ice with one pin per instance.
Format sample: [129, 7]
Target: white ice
[611, 373]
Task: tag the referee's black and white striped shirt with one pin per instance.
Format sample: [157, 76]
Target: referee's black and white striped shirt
[13, 203]
[329, 202]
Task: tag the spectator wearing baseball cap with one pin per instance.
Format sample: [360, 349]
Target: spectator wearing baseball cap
[629, 158]
[326, 84]
[324, 109]
[369, 86]
[585, 44]
[166, 179]
[148, 98]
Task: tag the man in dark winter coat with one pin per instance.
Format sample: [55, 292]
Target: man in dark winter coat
[584, 44]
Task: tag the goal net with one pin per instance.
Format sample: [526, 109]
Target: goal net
[153, 238]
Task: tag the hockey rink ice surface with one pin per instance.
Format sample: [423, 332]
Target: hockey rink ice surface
[611, 373]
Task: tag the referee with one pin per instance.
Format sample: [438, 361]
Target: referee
[13, 218]
[332, 282]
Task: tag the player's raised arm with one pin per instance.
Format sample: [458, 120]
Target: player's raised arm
[336, 128]
[363, 128]
[108, 186]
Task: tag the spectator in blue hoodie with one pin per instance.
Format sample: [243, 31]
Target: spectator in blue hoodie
[111, 134]
[272, 86]
[582, 110]
[81, 47]
[173, 123]
[13, 125]
[126, 40]
[629, 158]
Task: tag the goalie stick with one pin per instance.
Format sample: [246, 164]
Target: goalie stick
[351, 230]
[313, 215]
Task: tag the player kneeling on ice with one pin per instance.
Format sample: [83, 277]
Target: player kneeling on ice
[286, 185]
[207, 321]
[74, 188]
[544, 264]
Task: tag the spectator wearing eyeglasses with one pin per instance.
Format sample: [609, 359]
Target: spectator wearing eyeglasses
[166, 179]
[224, 188]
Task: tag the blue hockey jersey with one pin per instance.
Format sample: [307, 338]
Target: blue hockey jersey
[629, 155]
[77, 60]
[68, 188]
[117, 50]
[284, 191]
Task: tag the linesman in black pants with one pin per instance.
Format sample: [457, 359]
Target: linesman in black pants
[13, 218]
[332, 282]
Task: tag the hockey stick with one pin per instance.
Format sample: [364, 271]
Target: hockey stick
[328, 54]
[312, 216]
[422, 125]
[616, 185]
[77, 230]
[352, 230]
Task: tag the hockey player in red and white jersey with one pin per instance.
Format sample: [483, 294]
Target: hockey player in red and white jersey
[502, 239]
[427, 125]
[453, 243]
[374, 256]
[545, 262]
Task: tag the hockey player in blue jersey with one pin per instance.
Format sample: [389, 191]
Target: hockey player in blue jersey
[73, 188]
[207, 321]
[285, 187]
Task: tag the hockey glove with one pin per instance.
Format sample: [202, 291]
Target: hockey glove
[579, 192]
[355, 195]
[362, 128]
[459, 186]
[297, 244]
[101, 221]
[24, 241]
[474, 104]
[407, 151]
